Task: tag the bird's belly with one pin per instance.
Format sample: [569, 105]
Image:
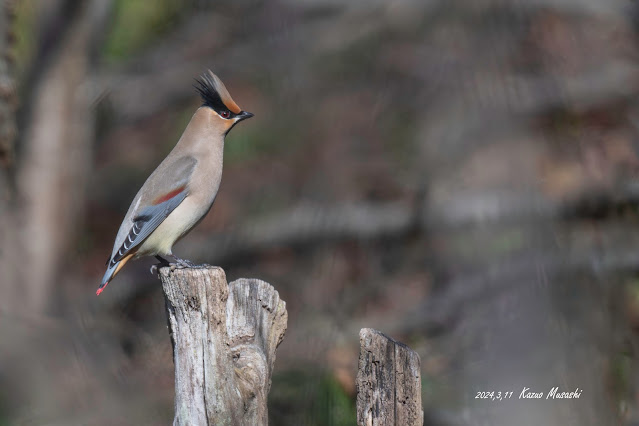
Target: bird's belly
[176, 225]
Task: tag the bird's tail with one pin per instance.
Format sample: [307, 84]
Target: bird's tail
[112, 270]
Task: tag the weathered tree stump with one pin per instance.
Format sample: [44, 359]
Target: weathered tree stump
[388, 382]
[224, 338]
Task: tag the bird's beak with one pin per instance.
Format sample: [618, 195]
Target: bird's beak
[244, 115]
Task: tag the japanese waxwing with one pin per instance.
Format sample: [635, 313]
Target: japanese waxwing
[181, 191]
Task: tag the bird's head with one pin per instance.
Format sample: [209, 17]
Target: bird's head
[217, 98]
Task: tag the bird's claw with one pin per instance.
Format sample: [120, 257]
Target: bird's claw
[178, 264]
[185, 263]
[182, 263]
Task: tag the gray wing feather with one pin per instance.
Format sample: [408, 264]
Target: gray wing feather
[138, 225]
[146, 222]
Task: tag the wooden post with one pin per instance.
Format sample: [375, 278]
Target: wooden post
[224, 339]
[388, 382]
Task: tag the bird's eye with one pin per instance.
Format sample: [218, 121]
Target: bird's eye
[225, 114]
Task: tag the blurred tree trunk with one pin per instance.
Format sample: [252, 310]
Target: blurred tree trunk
[42, 186]
[8, 104]
[8, 98]
[54, 155]
[55, 158]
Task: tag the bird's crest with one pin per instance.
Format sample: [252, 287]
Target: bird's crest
[214, 94]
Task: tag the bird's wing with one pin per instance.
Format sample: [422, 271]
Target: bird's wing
[163, 191]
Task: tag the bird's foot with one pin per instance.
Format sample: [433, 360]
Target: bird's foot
[182, 263]
[163, 262]
[178, 264]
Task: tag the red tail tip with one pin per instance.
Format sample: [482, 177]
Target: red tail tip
[97, 293]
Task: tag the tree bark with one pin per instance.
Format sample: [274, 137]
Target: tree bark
[224, 339]
[8, 97]
[388, 382]
[8, 105]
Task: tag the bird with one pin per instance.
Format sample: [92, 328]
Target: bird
[182, 189]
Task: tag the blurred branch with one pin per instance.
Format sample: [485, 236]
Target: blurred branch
[308, 225]
[490, 96]
[444, 309]
[512, 207]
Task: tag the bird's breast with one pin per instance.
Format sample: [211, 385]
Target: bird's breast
[203, 188]
[177, 224]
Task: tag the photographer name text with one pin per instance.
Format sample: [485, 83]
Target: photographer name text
[527, 393]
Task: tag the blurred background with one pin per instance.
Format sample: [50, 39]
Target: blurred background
[459, 175]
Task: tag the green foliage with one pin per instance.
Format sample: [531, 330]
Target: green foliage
[300, 397]
[621, 374]
[137, 23]
[25, 35]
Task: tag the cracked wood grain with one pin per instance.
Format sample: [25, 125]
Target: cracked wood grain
[388, 382]
[224, 339]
